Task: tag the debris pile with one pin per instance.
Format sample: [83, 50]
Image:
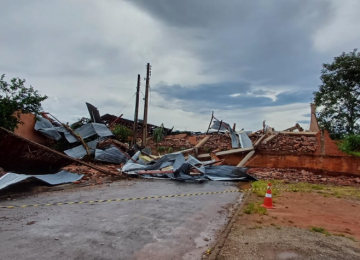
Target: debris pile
[93, 176]
[294, 175]
[290, 144]
[175, 167]
[183, 141]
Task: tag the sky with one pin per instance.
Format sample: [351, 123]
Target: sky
[246, 60]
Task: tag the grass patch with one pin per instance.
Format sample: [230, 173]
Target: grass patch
[320, 230]
[261, 186]
[354, 153]
[255, 208]
[307, 186]
[325, 190]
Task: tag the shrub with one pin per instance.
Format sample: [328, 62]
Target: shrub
[351, 143]
[122, 133]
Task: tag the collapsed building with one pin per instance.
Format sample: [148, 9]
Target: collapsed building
[220, 153]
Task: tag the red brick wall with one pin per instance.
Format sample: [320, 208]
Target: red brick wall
[348, 165]
[27, 130]
[329, 147]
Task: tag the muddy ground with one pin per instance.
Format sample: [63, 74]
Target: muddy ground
[287, 232]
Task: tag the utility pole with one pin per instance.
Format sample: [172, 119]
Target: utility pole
[136, 111]
[146, 105]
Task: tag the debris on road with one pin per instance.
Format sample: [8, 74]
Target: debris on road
[52, 179]
[176, 167]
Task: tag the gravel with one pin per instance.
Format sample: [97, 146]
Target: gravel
[272, 242]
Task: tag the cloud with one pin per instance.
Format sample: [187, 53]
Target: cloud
[245, 60]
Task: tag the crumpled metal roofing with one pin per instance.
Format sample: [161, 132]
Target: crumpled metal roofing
[46, 128]
[79, 151]
[53, 179]
[181, 166]
[216, 125]
[225, 126]
[88, 130]
[110, 155]
[245, 141]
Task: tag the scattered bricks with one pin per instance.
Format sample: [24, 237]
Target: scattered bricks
[192, 140]
[290, 144]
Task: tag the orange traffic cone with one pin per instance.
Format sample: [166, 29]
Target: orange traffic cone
[268, 199]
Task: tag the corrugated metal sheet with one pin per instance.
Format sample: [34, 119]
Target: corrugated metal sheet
[245, 140]
[89, 130]
[227, 173]
[53, 179]
[110, 155]
[79, 151]
[225, 126]
[182, 168]
[45, 127]
[216, 125]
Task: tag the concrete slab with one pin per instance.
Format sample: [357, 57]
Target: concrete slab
[168, 228]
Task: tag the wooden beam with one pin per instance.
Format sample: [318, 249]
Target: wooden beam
[299, 133]
[232, 151]
[156, 172]
[270, 138]
[212, 117]
[246, 158]
[202, 141]
[259, 141]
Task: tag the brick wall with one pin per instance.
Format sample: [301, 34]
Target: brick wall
[349, 165]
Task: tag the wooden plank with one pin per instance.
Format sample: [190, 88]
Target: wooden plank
[270, 138]
[259, 141]
[202, 142]
[156, 172]
[246, 158]
[299, 133]
[232, 151]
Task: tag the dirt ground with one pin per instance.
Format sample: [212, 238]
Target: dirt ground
[288, 232]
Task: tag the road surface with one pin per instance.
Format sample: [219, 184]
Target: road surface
[163, 228]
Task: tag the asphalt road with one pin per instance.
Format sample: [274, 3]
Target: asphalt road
[164, 228]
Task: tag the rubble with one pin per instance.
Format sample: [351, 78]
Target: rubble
[290, 144]
[175, 167]
[295, 175]
[92, 176]
[183, 141]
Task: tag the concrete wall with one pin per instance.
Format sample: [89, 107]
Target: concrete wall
[27, 130]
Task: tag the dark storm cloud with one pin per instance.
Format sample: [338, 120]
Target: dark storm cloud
[256, 40]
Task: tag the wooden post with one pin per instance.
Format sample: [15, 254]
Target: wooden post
[78, 137]
[212, 117]
[246, 158]
[135, 128]
[220, 126]
[146, 105]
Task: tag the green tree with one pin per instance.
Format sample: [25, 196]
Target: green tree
[338, 98]
[15, 99]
